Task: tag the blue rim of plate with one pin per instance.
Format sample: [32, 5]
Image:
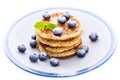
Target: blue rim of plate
[56, 75]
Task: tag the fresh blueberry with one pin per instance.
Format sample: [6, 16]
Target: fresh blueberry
[42, 56]
[33, 58]
[57, 31]
[86, 48]
[54, 62]
[33, 37]
[67, 15]
[61, 19]
[46, 15]
[21, 48]
[33, 43]
[72, 24]
[81, 53]
[93, 36]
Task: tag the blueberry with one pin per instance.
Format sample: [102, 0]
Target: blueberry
[46, 15]
[86, 48]
[33, 43]
[67, 15]
[72, 24]
[93, 36]
[33, 58]
[33, 37]
[57, 31]
[81, 53]
[42, 56]
[21, 48]
[61, 19]
[54, 62]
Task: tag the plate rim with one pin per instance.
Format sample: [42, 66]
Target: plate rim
[109, 53]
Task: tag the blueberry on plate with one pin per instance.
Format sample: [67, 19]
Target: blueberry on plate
[57, 31]
[46, 15]
[67, 15]
[86, 48]
[81, 53]
[33, 37]
[61, 19]
[33, 58]
[42, 56]
[54, 62]
[21, 48]
[93, 36]
[72, 24]
[33, 43]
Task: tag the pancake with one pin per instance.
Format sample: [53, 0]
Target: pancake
[60, 54]
[68, 33]
[59, 43]
[60, 49]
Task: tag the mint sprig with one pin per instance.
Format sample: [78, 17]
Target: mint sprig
[44, 25]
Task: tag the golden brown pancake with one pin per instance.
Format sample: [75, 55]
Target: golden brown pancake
[68, 33]
[60, 49]
[60, 54]
[59, 43]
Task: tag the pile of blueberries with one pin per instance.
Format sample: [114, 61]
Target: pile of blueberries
[42, 56]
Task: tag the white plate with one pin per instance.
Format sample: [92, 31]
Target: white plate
[99, 52]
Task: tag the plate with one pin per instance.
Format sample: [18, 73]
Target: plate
[99, 52]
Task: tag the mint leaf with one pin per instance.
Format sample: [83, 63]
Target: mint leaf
[44, 25]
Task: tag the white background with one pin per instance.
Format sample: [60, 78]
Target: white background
[12, 10]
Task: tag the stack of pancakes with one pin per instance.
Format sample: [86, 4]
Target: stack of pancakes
[60, 46]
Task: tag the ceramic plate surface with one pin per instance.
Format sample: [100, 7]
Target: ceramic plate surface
[99, 51]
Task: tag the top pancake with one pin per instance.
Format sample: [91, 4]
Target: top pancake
[67, 34]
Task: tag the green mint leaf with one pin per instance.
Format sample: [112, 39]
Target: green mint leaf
[44, 25]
